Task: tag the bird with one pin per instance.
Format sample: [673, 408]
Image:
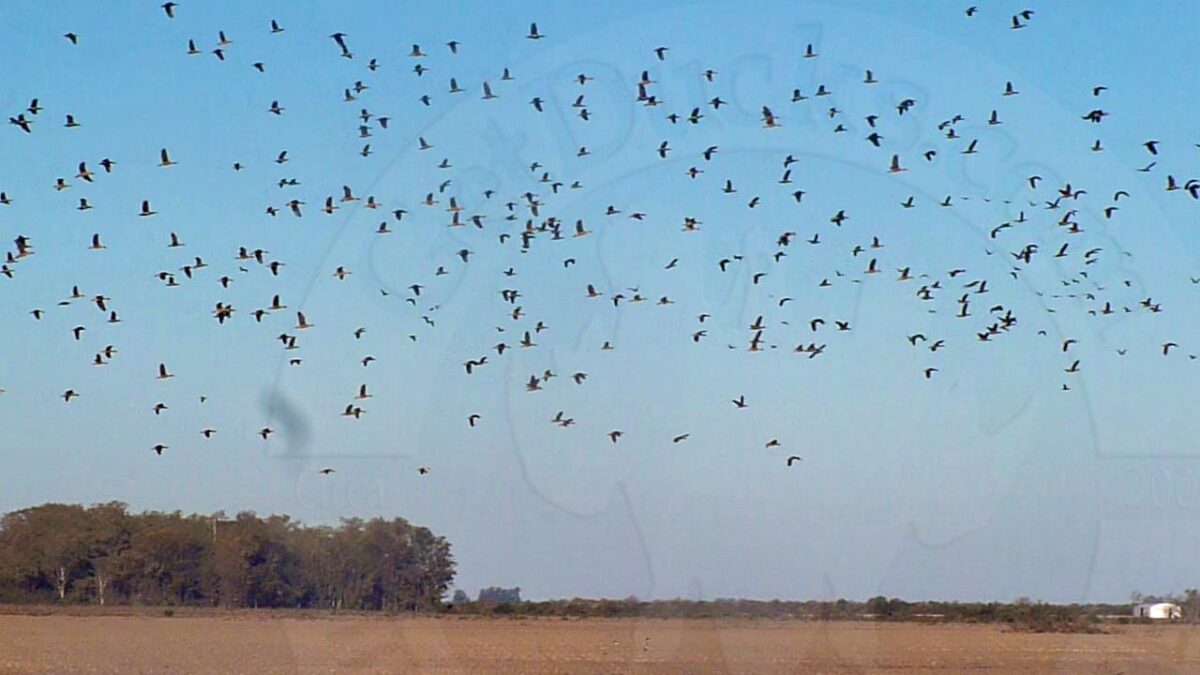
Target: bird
[770, 121]
[340, 39]
[524, 224]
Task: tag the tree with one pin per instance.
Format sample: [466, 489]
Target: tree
[169, 561]
[45, 548]
[109, 528]
[1190, 604]
[497, 595]
[877, 605]
[63, 553]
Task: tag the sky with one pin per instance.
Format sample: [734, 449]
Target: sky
[984, 481]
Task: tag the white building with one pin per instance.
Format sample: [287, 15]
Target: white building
[1158, 610]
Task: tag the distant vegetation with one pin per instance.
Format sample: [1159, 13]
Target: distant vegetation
[494, 595]
[59, 553]
[105, 555]
[1022, 615]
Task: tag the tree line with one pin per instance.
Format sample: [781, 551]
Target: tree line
[104, 554]
[1021, 615]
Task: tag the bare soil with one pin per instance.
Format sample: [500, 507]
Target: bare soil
[248, 642]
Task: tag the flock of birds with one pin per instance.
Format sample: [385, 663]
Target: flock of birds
[527, 222]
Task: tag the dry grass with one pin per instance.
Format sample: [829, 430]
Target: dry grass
[245, 642]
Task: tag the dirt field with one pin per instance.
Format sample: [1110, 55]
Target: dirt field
[271, 644]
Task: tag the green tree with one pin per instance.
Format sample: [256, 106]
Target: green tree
[104, 554]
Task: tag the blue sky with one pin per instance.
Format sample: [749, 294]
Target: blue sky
[985, 481]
